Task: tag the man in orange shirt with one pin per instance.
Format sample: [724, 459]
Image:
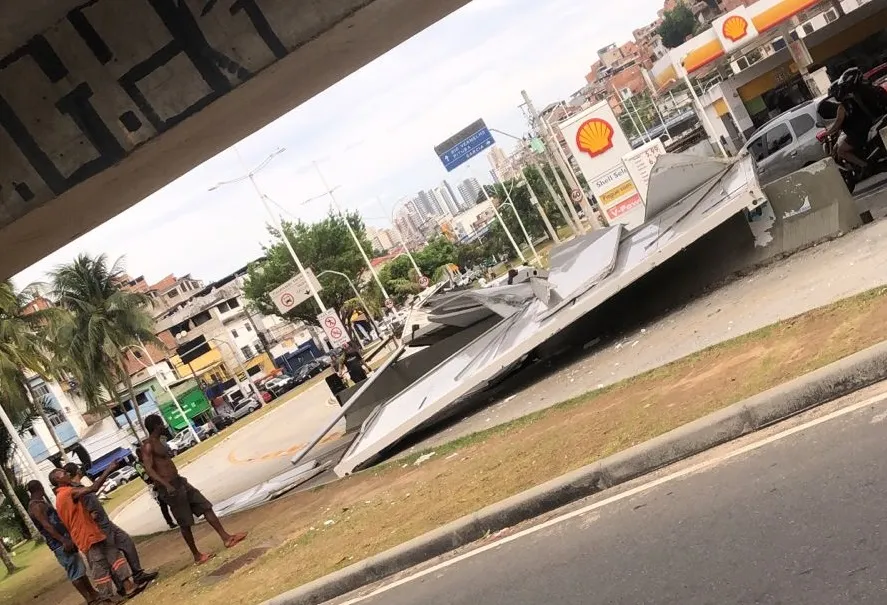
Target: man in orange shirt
[103, 556]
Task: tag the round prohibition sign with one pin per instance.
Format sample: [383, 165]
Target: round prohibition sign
[336, 333]
[287, 300]
[330, 322]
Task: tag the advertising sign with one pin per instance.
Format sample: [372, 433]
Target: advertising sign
[598, 144]
[332, 326]
[294, 292]
[618, 197]
[735, 29]
[640, 164]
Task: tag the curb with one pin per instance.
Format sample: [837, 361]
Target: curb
[826, 384]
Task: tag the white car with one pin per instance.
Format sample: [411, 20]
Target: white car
[118, 478]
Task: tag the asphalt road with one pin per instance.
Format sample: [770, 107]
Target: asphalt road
[800, 518]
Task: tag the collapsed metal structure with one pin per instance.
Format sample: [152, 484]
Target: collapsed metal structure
[472, 337]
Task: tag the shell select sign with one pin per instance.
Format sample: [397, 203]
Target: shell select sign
[595, 137]
[735, 28]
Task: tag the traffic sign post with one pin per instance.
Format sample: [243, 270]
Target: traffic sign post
[389, 303]
[333, 327]
[294, 292]
[464, 145]
[424, 281]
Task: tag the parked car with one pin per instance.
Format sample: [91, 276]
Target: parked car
[181, 442]
[787, 143]
[308, 371]
[239, 409]
[280, 384]
[119, 477]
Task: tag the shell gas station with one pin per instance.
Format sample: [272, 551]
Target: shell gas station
[759, 60]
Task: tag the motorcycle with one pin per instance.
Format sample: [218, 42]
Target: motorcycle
[874, 152]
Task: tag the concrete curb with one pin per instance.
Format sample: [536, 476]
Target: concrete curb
[816, 388]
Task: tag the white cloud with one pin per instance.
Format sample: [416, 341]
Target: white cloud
[372, 133]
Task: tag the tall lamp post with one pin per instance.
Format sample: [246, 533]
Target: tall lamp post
[356, 293]
[524, 230]
[363, 253]
[141, 347]
[275, 219]
[403, 242]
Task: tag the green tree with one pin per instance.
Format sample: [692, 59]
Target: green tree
[101, 322]
[678, 24]
[321, 246]
[24, 348]
[12, 509]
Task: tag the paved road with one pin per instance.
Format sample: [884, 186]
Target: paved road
[250, 456]
[799, 519]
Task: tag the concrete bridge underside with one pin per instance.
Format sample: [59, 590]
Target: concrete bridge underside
[102, 102]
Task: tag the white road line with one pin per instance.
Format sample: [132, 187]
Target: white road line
[622, 496]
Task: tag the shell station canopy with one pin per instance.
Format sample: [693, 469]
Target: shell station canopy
[728, 33]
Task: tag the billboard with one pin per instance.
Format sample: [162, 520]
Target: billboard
[598, 143]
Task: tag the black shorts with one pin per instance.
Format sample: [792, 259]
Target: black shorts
[185, 503]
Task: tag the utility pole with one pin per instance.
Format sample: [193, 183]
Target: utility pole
[520, 222]
[554, 150]
[517, 249]
[535, 201]
[557, 199]
[363, 253]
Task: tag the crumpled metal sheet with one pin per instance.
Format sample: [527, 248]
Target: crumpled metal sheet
[591, 283]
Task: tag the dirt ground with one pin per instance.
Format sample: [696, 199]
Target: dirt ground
[306, 535]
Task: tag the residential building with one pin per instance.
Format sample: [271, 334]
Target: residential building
[166, 293]
[381, 239]
[446, 199]
[503, 170]
[471, 191]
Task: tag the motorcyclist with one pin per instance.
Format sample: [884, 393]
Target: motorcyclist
[851, 119]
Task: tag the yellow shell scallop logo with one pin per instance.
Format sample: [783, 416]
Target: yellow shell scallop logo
[735, 28]
[595, 137]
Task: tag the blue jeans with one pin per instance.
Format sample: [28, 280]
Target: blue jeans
[71, 562]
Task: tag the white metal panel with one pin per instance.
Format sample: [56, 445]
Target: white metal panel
[511, 340]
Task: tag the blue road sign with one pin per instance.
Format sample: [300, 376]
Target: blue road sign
[464, 145]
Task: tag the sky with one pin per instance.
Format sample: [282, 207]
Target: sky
[371, 135]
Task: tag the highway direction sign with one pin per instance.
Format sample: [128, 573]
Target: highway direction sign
[464, 145]
[294, 292]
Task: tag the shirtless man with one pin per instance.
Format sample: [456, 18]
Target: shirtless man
[183, 499]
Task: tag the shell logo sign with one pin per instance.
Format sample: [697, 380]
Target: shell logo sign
[595, 137]
[735, 28]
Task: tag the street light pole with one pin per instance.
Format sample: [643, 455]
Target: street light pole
[141, 346]
[400, 236]
[535, 201]
[520, 222]
[275, 220]
[360, 298]
[363, 253]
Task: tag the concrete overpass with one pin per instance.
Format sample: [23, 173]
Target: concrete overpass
[102, 102]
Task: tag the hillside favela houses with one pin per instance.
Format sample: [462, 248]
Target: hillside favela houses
[208, 338]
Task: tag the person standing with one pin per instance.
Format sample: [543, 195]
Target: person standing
[59, 541]
[107, 563]
[114, 534]
[354, 363]
[183, 499]
[152, 489]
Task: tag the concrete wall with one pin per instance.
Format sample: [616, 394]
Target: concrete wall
[806, 206]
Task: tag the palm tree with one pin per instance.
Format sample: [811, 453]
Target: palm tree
[23, 348]
[21, 418]
[7, 559]
[103, 320]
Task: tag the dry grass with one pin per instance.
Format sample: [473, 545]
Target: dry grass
[385, 506]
